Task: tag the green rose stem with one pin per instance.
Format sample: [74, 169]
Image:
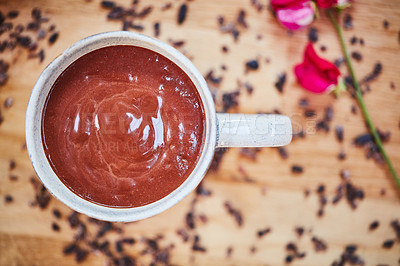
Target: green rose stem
[361, 100]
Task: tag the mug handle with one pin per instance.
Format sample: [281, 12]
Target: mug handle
[253, 130]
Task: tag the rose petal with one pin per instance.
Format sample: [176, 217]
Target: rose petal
[316, 74]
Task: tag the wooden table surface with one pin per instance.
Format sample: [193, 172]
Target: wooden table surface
[276, 197]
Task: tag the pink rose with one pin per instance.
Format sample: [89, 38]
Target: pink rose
[316, 74]
[331, 3]
[293, 14]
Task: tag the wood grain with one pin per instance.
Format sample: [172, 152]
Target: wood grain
[276, 198]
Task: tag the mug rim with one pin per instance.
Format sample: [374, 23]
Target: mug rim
[33, 127]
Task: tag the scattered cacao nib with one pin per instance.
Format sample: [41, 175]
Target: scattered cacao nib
[291, 247]
[367, 142]
[55, 227]
[289, 259]
[361, 41]
[8, 102]
[166, 6]
[313, 35]
[388, 243]
[145, 11]
[263, 232]
[12, 164]
[395, 224]
[348, 21]
[24, 41]
[190, 220]
[107, 227]
[299, 231]
[134, 26]
[41, 55]
[210, 77]
[81, 233]
[321, 189]
[230, 100]
[196, 245]
[127, 260]
[152, 244]
[53, 37]
[73, 219]
[80, 255]
[218, 155]
[385, 24]
[323, 48]
[339, 133]
[237, 215]
[283, 153]
[328, 114]
[250, 153]
[43, 197]
[297, 169]
[257, 5]
[349, 256]
[310, 113]
[184, 234]
[36, 13]
[8, 199]
[252, 64]
[245, 176]
[116, 13]
[280, 82]
[383, 192]
[13, 177]
[12, 14]
[253, 249]
[108, 4]
[342, 156]
[374, 74]
[157, 29]
[118, 246]
[353, 194]
[33, 26]
[201, 191]
[241, 18]
[225, 49]
[339, 194]
[298, 135]
[229, 251]
[354, 109]
[339, 62]
[373, 225]
[176, 44]
[303, 103]
[249, 88]
[344, 174]
[183, 9]
[356, 56]
[322, 125]
[221, 20]
[319, 244]
[353, 40]
[228, 28]
[70, 248]
[307, 193]
[57, 213]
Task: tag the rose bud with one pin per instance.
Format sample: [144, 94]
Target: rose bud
[294, 14]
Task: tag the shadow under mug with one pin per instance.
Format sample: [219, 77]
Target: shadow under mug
[221, 130]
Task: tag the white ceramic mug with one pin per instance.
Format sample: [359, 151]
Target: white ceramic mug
[222, 130]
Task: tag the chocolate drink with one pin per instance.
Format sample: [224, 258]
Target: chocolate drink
[123, 126]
